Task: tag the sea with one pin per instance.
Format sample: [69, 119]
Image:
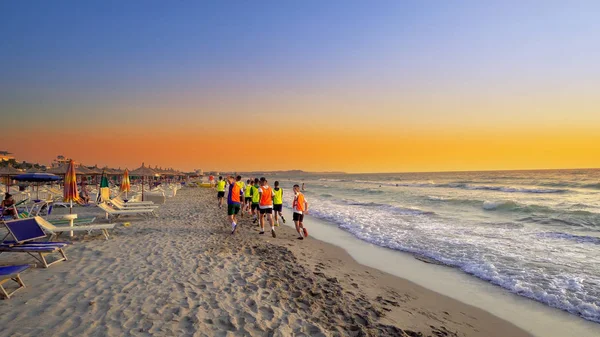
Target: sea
[533, 233]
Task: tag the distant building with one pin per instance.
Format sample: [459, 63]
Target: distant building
[6, 156]
[60, 160]
[199, 172]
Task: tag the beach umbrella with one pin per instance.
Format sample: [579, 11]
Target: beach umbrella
[7, 172]
[104, 188]
[70, 192]
[143, 172]
[96, 171]
[125, 184]
[37, 178]
[104, 181]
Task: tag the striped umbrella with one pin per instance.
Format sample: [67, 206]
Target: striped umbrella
[125, 184]
[70, 193]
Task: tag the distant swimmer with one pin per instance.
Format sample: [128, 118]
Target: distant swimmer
[278, 203]
[221, 191]
[303, 187]
[266, 206]
[234, 202]
[300, 207]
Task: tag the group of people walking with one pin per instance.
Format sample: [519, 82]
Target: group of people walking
[260, 201]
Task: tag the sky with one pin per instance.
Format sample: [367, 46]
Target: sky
[355, 86]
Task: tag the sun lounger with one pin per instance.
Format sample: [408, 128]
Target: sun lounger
[114, 213]
[76, 222]
[24, 232]
[119, 199]
[126, 205]
[55, 231]
[11, 273]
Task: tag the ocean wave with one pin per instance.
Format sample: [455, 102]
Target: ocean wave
[500, 254]
[571, 237]
[468, 186]
[510, 189]
[496, 205]
[510, 205]
[590, 223]
[569, 184]
[387, 207]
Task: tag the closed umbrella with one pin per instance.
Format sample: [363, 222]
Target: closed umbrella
[143, 172]
[70, 192]
[103, 188]
[125, 184]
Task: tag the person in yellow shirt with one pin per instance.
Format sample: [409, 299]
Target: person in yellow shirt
[221, 184]
[248, 195]
[240, 183]
[278, 203]
[255, 200]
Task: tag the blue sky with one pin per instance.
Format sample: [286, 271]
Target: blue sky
[347, 65]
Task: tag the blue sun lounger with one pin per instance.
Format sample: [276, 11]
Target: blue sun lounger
[24, 231]
[11, 273]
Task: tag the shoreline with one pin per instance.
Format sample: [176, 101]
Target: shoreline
[184, 274]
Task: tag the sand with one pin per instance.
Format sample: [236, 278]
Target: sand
[183, 274]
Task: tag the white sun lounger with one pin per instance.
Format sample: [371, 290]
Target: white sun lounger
[127, 205]
[56, 231]
[114, 213]
[118, 198]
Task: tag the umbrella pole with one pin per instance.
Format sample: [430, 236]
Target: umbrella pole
[143, 188]
[71, 220]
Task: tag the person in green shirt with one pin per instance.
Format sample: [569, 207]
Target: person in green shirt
[255, 200]
[221, 191]
[248, 195]
[278, 202]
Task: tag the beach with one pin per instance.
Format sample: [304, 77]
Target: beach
[183, 274]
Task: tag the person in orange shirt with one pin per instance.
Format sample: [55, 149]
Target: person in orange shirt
[265, 206]
[300, 207]
[234, 202]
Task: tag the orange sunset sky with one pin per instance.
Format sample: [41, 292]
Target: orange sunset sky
[392, 88]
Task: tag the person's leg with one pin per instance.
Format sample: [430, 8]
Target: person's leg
[281, 215]
[298, 230]
[275, 216]
[233, 220]
[261, 221]
[301, 224]
[270, 217]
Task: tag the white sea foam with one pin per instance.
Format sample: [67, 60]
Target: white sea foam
[502, 255]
